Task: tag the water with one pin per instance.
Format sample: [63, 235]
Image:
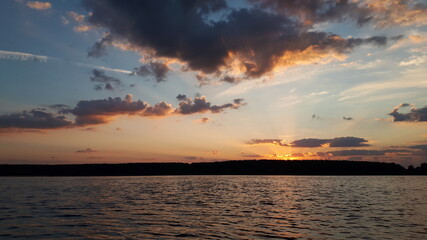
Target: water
[214, 207]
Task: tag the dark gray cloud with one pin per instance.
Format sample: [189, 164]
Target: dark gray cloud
[347, 118]
[99, 49]
[314, 142]
[100, 77]
[414, 115]
[258, 38]
[182, 97]
[98, 111]
[34, 119]
[335, 142]
[309, 142]
[201, 105]
[101, 111]
[348, 142]
[158, 70]
[422, 147]
[158, 110]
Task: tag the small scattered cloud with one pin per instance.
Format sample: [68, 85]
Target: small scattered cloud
[76, 16]
[347, 118]
[201, 105]
[100, 77]
[158, 70]
[64, 20]
[318, 93]
[82, 28]
[315, 117]
[203, 120]
[39, 5]
[87, 150]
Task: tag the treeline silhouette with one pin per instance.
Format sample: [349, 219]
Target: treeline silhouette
[243, 167]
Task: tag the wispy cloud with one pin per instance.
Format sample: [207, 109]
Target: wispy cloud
[417, 80]
[21, 56]
[417, 60]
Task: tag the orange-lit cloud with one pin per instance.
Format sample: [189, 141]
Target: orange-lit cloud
[247, 43]
[39, 5]
[93, 112]
[82, 28]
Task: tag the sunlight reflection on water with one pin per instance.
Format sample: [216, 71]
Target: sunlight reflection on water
[214, 207]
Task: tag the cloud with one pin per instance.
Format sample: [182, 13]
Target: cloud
[382, 13]
[347, 118]
[87, 150]
[419, 147]
[82, 28]
[214, 39]
[318, 93]
[203, 120]
[417, 60]
[39, 5]
[159, 110]
[102, 111]
[22, 56]
[415, 114]
[34, 119]
[156, 69]
[278, 142]
[201, 105]
[182, 97]
[99, 49]
[365, 152]
[100, 77]
[314, 142]
[64, 20]
[76, 17]
[309, 142]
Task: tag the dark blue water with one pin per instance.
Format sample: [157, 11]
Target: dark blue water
[214, 207]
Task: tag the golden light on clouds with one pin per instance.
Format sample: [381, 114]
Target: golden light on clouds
[39, 5]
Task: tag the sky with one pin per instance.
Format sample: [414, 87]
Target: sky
[114, 81]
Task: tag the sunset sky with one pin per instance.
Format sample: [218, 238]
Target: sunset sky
[108, 81]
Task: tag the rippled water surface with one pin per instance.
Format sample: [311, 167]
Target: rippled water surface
[214, 207]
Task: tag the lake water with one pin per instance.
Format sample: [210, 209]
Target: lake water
[214, 207]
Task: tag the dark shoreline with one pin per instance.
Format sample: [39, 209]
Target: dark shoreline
[242, 167]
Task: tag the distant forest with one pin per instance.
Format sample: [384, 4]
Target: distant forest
[244, 167]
